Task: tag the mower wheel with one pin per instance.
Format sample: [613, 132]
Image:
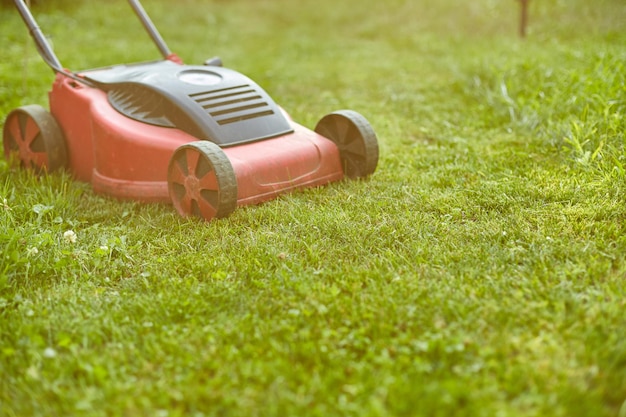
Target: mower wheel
[356, 140]
[32, 136]
[201, 181]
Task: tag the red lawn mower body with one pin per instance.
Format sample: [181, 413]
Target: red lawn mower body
[127, 158]
[206, 138]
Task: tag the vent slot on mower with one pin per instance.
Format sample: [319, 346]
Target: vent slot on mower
[230, 105]
[141, 104]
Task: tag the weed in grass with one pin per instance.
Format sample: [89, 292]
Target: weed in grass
[583, 113]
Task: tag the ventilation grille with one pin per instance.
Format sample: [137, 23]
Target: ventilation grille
[141, 104]
[233, 104]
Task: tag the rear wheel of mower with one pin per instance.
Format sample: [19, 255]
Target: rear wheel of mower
[32, 136]
[356, 140]
[201, 181]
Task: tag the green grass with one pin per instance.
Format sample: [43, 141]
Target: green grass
[479, 272]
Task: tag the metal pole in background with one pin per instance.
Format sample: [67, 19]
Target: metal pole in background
[523, 18]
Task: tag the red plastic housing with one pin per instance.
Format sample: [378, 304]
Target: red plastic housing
[125, 158]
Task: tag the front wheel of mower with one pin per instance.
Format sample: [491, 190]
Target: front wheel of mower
[201, 181]
[32, 136]
[356, 140]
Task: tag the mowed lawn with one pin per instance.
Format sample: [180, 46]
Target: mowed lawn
[479, 272]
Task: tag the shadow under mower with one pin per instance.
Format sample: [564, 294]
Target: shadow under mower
[204, 137]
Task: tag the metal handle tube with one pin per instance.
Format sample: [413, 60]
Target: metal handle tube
[43, 46]
[150, 28]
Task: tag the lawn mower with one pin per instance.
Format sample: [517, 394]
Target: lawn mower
[203, 137]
